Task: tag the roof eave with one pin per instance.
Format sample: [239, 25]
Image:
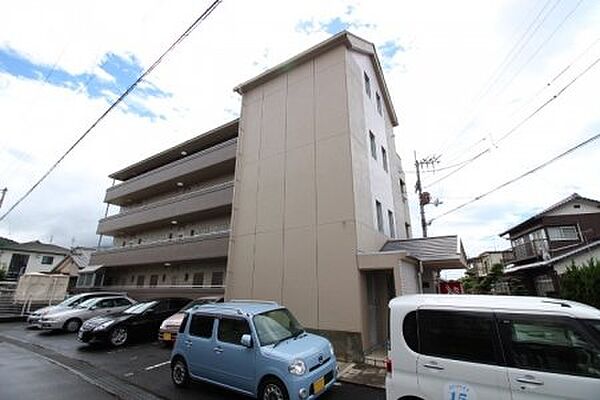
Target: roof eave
[343, 38]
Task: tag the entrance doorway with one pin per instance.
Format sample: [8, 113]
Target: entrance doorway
[380, 290]
[18, 265]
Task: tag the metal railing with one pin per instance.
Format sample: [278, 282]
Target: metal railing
[538, 249]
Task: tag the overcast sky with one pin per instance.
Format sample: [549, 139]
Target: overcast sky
[461, 75]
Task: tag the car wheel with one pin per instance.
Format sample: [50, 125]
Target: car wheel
[273, 389]
[118, 336]
[72, 325]
[179, 373]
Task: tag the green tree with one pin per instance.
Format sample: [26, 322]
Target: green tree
[582, 283]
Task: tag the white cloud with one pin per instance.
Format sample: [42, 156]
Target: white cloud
[450, 51]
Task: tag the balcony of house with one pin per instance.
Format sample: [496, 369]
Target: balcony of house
[528, 251]
[214, 161]
[216, 199]
[209, 245]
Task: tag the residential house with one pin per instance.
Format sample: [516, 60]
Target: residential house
[17, 259]
[301, 201]
[544, 245]
[483, 263]
[77, 260]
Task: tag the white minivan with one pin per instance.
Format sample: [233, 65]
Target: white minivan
[471, 347]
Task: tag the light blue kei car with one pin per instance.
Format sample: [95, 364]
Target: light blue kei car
[256, 348]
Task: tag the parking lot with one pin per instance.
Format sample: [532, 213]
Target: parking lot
[139, 370]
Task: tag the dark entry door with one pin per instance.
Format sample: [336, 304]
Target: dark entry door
[18, 264]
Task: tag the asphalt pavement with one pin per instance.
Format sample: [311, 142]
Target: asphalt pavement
[137, 370]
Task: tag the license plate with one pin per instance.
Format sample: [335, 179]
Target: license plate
[167, 336]
[319, 385]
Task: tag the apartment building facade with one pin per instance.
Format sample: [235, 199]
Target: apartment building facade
[301, 201]
[171, 233]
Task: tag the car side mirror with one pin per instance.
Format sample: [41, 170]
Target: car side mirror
[246, 340]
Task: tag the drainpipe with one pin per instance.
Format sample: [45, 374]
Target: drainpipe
[420, 276]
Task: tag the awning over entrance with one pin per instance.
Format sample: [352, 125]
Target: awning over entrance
[90, 269]
[441, 252]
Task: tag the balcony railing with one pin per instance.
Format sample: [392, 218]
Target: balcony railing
[537, 249]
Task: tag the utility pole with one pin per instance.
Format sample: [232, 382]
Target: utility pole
[424, 197]
[3, 193]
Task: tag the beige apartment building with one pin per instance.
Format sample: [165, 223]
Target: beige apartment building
[302, 201]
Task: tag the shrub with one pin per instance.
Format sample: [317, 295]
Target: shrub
[582, 283]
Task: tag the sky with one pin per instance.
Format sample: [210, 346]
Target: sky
[462, 75]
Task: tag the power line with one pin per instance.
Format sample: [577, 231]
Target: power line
[523, 175]
[184, 35]
[522, 122]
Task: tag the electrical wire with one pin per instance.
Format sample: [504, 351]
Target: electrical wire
[523, 175]
[521, 123]
[184, 35]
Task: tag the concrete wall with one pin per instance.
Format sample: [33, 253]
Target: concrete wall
[293, 229]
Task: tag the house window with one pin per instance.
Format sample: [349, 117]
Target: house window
[384, 159]
[392, 225]
[373, 145]
[47, 260]
[563, 233]
[378, 102]
[217, 278]
[198, 279]
[379, 216]
[140, 280]
[367, 85]
[153, 280]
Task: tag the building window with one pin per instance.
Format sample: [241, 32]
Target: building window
[140, 241]
[217, 278]
[379, 216]
[384, 159]
[378, 102]
[192, 232]
[186, 277]
[373, 145]
[199, 279]
[392, 225]
[402, 187]
[170, 235]
[140, 280]
[563, 233]
[153, 280]
[164, 277]
[367, 85]
[407, 229]
[47, 260]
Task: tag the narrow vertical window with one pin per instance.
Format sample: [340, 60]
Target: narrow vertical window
[392, 225]
[384, 159]
[367, 85]
[373, 145]
[378, 101]
[379, 216]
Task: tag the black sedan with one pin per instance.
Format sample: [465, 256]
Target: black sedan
[138, 321]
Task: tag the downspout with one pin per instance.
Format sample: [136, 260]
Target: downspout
[420, 276]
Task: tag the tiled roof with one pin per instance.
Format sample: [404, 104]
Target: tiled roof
[428, 249]
[36, 247]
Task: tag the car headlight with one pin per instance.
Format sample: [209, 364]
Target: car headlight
[297, 367]
[103, 326]
[163, 325]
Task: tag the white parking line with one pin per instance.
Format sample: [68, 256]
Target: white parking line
[157, 365]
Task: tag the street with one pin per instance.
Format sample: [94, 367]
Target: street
[140, 370]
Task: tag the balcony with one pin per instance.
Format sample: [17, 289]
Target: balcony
[214, 161]
[187, 206]
[534, 250]
[206, 246]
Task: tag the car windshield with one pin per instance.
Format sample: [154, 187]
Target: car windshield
[140, 307]
[88, 303]
[197, 302]
[72, 301]
[277, 325]
[595, 324]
